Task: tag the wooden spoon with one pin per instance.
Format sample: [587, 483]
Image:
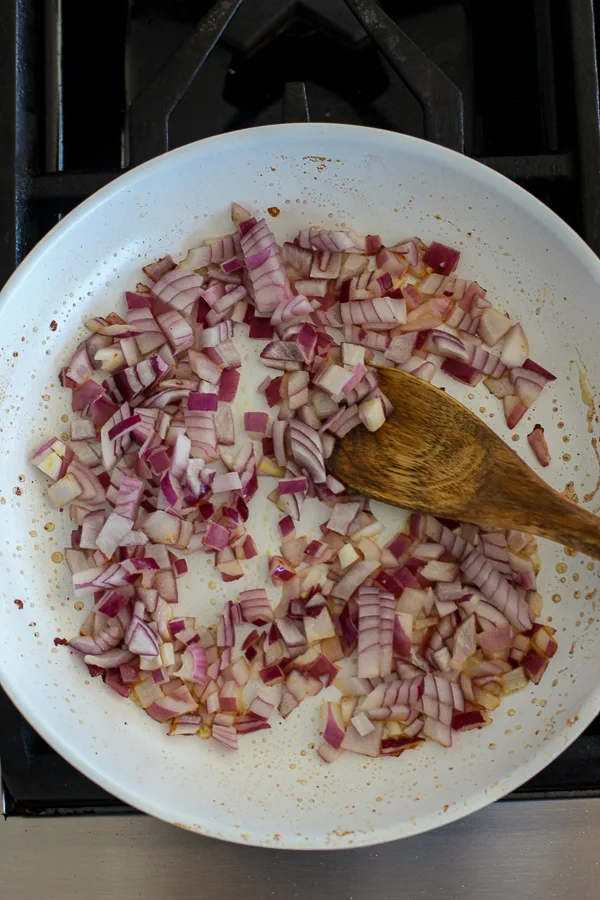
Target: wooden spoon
[435, 456]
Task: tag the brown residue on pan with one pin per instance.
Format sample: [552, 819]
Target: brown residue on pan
[587, 395]
[590, 496]
[273, 211]
[321, 160]
[569, 492]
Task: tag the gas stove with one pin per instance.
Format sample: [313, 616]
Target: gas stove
[515, 87]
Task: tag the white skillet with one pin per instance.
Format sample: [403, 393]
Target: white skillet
[276, 791]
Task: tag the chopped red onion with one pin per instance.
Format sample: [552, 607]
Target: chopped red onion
[293, 486]
[163, 412]
[54, 458]
[177, 331]
[255, 607]
[260, 708]
[352, 580]
[256, 424]
[307, 450]
[539, 370]
[227, 735]
[515, 349]
[538, 444]
[441, 258]
[333, 731]
[493, 325]
[140, 638]
[230, 481]
[375, 632]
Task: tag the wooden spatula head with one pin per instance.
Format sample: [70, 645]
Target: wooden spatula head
[434, 455]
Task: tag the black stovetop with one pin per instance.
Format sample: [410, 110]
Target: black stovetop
[512, 84]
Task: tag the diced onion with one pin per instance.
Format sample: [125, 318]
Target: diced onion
[443, 616]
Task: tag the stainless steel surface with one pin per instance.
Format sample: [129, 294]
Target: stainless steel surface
[535, 849]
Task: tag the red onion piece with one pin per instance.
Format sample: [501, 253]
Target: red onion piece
[538, 444]
[53, 458]
[367, 745]
[256, 424]
[206, 402]
[516, 348]
[272, 675]
[441, 258]
[334, 731]
[261, 329]
[283, 355]
[269, 279]
[461, 371]
[539, 370]
[480, 571]
[227, 735]
[493, 325]
[109, 659]
[356, 575]
[230, 481]
[260, 708]
[255, 607]
[375, 632]
[140, 638]
[336, 241]
[307, 450]
[293, 486]
[297, 260]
